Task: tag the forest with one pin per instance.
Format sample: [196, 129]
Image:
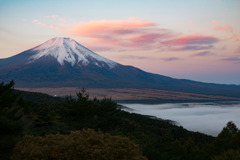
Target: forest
[38, 126]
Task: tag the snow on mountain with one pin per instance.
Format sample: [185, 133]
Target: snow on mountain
[68, 50]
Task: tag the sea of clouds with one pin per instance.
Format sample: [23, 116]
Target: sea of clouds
[208, 118]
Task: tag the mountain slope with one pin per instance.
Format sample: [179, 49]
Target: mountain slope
[64, 50]
[62, 62]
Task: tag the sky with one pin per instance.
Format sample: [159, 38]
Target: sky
[197, 39]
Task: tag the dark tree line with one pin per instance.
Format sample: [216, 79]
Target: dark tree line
[11, 127]
[39, 116]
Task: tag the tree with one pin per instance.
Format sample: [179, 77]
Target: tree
[85, 144]
[227, 140]
[10, 114]
[82, 96]
[229, 131]
[7, 95]
[228, 155]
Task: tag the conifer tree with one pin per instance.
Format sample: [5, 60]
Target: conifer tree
[10, 125]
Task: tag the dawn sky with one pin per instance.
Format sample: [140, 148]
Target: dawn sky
[190, 39]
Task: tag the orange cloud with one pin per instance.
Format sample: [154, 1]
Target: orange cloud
[191, 22]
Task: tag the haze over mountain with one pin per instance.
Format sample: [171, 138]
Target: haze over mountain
[63, 62]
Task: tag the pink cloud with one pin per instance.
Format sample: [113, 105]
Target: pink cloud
[45, 24]
[151, 37]
[235, 37]
[228, 29]
[35, 21]
[192, 39]
[131, 34]
[95, 28]
[214, 21]
[225, 27]
[106, 41]
[163, 40]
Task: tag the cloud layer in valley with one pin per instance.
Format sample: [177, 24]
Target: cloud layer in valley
[205, 118]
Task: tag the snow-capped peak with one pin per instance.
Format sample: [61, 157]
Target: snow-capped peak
[68, 50]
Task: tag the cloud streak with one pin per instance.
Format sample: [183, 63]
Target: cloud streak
[235, 37]
[214, 21]
[233, 59]
[204, 53]
[106, 27]
[131, 34]
[225, 27]
[45, 24]
[167, 59]
[194, 47]
[229, 29]
[134, 57]
[192, 39]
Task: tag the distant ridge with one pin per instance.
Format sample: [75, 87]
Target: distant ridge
[63, 62]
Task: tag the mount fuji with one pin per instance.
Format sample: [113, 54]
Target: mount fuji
[66, 50]
[63, 62]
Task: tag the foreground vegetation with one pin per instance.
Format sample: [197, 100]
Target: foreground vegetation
[36, 126]
[85, 144]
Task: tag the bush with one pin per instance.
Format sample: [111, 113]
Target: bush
[85, 145]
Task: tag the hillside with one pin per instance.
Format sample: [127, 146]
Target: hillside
[158, 139]
[133, 95]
